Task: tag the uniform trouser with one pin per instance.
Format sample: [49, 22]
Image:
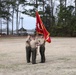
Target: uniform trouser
[34, 52]
[28, 53]
[42, 53]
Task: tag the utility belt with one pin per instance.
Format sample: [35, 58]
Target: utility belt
[42, 45]
[28, 46]
[33, 49]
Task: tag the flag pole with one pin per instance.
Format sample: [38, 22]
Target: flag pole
[36, 5]
[36, 9]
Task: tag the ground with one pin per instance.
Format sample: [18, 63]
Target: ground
[60, 57]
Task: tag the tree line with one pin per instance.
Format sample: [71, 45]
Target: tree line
[59, 20]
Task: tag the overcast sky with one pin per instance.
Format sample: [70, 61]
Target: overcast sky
[30, 22]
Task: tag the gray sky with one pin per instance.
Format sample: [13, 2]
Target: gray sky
[30, 22]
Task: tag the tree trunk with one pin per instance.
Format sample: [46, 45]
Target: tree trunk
[7, 26]
[12, 19]
[75, 7]
[8, 22]
[1, 25]
[17, 21]
[65, 11]
[43, 11]
[51, 12]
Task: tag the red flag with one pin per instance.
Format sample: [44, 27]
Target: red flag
[40, 28]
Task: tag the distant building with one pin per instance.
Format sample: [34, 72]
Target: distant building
[22, 31]
[31, 32]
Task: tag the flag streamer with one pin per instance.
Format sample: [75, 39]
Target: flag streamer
[40, 28]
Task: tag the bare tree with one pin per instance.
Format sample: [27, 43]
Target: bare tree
[12, 18]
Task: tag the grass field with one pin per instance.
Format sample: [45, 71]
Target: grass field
[60, 57]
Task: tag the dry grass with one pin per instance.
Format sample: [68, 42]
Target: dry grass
[60, 57]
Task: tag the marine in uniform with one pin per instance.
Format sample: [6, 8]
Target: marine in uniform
[33, 45]
[42, 49]
[28, 49]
